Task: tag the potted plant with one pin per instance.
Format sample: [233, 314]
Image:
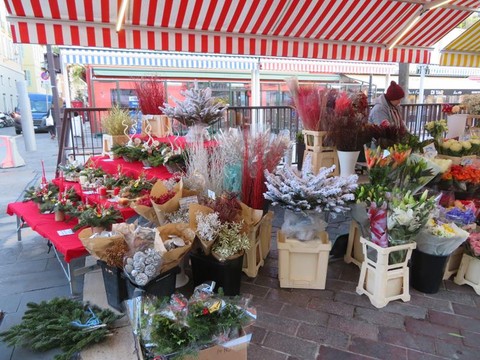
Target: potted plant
[44, 196]
[116, 126]
[347, 129]
[198, 110]
[151, 97]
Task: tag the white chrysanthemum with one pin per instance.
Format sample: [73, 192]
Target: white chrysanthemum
[466, 145]
[456, 147]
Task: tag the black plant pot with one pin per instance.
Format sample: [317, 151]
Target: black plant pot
[426, 271]
[227, 274]
[300, 153]
[162, 285]
[115, 285]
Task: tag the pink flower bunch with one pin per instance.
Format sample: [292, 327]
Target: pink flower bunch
[474, 244]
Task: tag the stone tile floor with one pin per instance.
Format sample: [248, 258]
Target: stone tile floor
[334, 323]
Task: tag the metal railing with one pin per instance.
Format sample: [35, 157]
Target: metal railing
[81, 131]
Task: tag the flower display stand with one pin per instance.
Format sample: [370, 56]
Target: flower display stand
[161, 125]
[469, 273]
[380, 281]
[354, 252]
[453, 263]
[260, 237]
[321, 156]
[109, 140]
[303, 264]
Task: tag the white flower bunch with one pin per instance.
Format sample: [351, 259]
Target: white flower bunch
[306, 191]
[208, 226]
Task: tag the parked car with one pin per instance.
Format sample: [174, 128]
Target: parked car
[39, 103]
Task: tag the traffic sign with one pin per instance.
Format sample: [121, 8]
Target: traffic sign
[45, 75]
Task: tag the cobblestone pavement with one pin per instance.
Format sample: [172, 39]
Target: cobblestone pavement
[334, 323]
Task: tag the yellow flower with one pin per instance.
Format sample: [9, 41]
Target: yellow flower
[466, 145]
[456, 147]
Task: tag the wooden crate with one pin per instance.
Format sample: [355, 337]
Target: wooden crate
[453, 263]
[303, 264]
[354, 253]
[109, 140]
[260, 238]
[380, 281]
[157, 125]
[469, 273]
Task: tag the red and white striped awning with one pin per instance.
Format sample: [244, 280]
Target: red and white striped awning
[331, 29]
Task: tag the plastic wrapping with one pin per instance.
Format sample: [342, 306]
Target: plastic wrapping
[432, 244]
[303, 225]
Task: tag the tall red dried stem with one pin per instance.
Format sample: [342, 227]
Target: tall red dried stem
[151, 95]
[311, 104]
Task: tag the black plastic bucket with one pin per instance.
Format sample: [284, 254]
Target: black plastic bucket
[426, 271]
[162, 285]
[227, 274]
[115, 285]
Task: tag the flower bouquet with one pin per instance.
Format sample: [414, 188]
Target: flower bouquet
[450, 109]
[305, 195]
[440, 238]
[464, 180]
[176, 326]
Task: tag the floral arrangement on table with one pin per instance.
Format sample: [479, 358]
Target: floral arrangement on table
[471, 103]
[97, 216]
[437, 130]
[177, 326]
[66, 200]
[461, 179]
[44, 195]
[348, 130]
[92, 172]
[71, 169]
[151, 96]
[450, 109]
[306, 195]
[454, 147]
[137, 187]
[314, 104]
[198, 107]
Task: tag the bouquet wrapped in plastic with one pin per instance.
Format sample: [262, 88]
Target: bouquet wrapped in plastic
[173, 327]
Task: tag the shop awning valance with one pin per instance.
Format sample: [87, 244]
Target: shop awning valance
[331, 29]
[464, 50]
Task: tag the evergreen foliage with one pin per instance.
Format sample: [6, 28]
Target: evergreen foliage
[48, 325]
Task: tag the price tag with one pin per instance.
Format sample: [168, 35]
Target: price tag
[65, 232]
[211, 194]
[430, 151]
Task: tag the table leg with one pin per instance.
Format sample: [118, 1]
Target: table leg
[20, 223]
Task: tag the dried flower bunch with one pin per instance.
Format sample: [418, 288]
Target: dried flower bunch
[230, 241]
[151, 96]
[117, 122]
[114, 254]
[306, 191]
[311, 102]
[208, 226]
[347, 128]
[198, 107]
[263, 151]
[472, 103]
[226, 205]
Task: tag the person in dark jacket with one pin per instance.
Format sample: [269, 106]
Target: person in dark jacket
[387, 106]
[51, 126]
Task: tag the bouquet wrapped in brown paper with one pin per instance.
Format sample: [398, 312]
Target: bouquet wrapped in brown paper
[204, 221]
[173, 241]
[161, 200]
[98, 244]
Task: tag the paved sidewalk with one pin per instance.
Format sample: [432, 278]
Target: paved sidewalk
[334, 323]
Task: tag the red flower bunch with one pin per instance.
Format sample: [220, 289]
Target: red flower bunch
[162, 199]
[463, 173]
[447, 108]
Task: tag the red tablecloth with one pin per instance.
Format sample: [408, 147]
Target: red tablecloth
[133, 169]
[45, 225]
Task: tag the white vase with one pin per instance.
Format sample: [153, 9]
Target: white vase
[197, 133]
[347, 161]
[456, 125]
